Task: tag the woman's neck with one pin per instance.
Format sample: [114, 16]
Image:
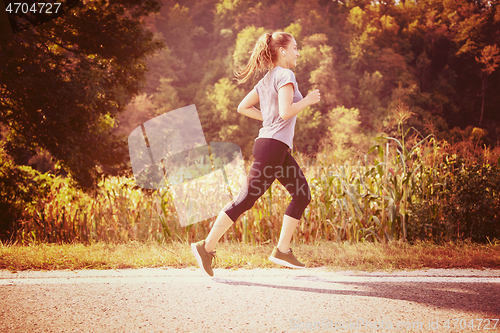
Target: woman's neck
[280, 64]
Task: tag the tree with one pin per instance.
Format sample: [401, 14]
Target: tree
[63, 83]
[475, 29]
[345, 136]
[222, 122]
[490, 60]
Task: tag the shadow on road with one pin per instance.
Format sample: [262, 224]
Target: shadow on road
[463, 296]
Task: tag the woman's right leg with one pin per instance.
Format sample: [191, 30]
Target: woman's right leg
[287, 230]
[222, 223]
[294, 180]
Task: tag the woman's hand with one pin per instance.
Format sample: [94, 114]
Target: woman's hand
[313, 97]
[287, 108]
[247, 108]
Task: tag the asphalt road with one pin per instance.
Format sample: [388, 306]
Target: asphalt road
[258, 300]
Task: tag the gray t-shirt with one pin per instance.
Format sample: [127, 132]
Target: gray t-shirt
[273, 126]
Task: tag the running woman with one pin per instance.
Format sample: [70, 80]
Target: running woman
[280, 102]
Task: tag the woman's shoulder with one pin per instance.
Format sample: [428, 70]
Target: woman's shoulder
[263, 80]
[284, 71]
[284, 74]
[277, 77]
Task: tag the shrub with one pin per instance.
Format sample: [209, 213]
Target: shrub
[20, 186]
[473, 202]
[465, 201]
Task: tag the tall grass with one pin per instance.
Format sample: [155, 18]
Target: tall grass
[393, 192]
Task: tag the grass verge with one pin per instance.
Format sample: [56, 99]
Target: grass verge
[335, 256]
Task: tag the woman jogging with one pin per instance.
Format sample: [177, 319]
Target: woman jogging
[280, 102]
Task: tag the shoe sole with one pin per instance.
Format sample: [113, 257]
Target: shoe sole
[198, 258]
[284, 263]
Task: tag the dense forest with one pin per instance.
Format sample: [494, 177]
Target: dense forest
[72, 89]
[438, 58]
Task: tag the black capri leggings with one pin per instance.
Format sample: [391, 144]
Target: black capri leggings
[272, 161]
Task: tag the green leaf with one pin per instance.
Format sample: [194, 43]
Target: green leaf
[421, 142]
[354, 202]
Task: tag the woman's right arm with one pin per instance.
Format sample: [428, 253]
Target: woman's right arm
[247, 108]
[287, 108]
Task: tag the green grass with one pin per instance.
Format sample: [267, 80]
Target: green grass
[331, 255]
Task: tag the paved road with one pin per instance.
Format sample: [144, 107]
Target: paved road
[258, 300]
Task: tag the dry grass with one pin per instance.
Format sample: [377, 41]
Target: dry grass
[332, 255]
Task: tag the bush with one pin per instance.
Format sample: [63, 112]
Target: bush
[466, 205]
[474, 203]
[20, 186]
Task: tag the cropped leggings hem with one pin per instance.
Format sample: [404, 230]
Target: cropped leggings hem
[272, 161]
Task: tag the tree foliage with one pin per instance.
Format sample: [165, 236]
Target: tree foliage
[75, 86]
[64, 82]
[438, 58]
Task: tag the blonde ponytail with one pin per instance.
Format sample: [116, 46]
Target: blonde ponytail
[264, 54]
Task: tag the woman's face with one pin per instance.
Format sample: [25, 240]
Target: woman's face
[291, 53]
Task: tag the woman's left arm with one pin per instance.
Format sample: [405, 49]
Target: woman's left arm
[247, 108]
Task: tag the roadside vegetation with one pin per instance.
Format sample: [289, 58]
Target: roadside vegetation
[231, 255]
[405, 188]
[402, 155]
[407, 203]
